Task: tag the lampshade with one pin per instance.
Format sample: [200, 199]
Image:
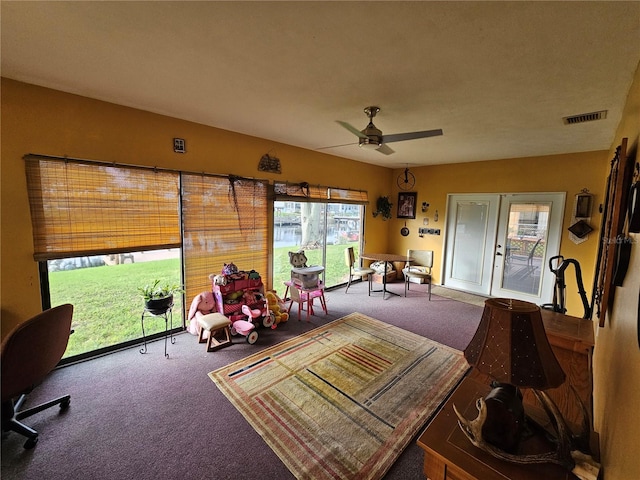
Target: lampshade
[511, 346]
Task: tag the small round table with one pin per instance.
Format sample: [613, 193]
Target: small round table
[168, 322]
[386, 258]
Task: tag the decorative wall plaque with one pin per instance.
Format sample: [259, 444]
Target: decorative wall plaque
[269, 164]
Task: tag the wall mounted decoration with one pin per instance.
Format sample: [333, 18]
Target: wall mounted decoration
[582, 208]
[581, 217]
[179, 145]
[383, 207]
[613, 216]
[406, 180]
[269, 164]
[634, 203]
[581, 230]
[407, 204]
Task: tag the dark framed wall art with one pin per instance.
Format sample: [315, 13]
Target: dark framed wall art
[407, 204]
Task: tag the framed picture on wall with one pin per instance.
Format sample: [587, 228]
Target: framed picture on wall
[407, 204]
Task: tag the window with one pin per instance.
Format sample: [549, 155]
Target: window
[103, 291]
[322, 221]
[103, 230]
[90, 221]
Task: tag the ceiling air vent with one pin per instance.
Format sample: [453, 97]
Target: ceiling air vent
[585, 117]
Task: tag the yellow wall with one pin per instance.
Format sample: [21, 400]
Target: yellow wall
[49, 122]
[616, 362]
[558, 173]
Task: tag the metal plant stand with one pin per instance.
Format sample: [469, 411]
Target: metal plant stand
[168, 326]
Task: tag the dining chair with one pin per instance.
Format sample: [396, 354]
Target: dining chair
[419, 269]
[356, 271]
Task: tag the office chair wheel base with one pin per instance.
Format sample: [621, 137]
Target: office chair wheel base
[30, 443]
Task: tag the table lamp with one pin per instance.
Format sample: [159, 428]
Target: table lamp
[512, 348]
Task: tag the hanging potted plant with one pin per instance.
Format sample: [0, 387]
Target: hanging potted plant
[158, 298]
[383, 207]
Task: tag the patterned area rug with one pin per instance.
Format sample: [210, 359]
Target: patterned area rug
[343, 400]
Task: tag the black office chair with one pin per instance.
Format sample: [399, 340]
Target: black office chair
[29, 353]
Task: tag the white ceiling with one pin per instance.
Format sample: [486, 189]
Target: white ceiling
[497, 77]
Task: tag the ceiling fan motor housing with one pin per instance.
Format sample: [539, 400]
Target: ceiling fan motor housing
[374, 137]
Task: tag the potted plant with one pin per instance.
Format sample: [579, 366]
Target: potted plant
[158, 297]
[383, 207]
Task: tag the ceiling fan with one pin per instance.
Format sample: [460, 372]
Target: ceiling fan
[372, 137]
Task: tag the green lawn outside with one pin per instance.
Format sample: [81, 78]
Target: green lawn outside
[107, 306]
[336, 270]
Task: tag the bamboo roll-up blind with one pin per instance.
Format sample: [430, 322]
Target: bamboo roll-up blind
[304, 192]
[83, 208]
[300, 191]
[224, 220]
[341, 195]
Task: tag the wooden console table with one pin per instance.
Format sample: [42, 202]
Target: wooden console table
[449, 455]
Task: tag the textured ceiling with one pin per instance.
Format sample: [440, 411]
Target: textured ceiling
[497, 77]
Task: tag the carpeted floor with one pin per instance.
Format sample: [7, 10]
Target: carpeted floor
[140, 417]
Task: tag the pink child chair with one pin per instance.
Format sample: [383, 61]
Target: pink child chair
[307, 295]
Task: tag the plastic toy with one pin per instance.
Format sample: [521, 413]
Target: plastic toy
[275, 308]
[246, 327]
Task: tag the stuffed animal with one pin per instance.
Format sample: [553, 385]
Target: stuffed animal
[298, 259]
[251, 298]
[229, 269]
[233, 297]
[203, 304]
[220, 280]
[276, 307]
[253, 275]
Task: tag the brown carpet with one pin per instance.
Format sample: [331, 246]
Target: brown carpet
[145, 417]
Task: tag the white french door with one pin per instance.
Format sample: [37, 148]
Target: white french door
[471, 234]
[499, 245]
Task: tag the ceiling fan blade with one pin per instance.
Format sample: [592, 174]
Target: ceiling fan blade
[352, 129]
[336, 146]
[385, 149]
[399, 137]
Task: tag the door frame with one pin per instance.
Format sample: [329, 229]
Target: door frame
[491, 241]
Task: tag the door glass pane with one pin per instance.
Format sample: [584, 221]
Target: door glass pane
[469, 238]
[322, 230]
[525, 247]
